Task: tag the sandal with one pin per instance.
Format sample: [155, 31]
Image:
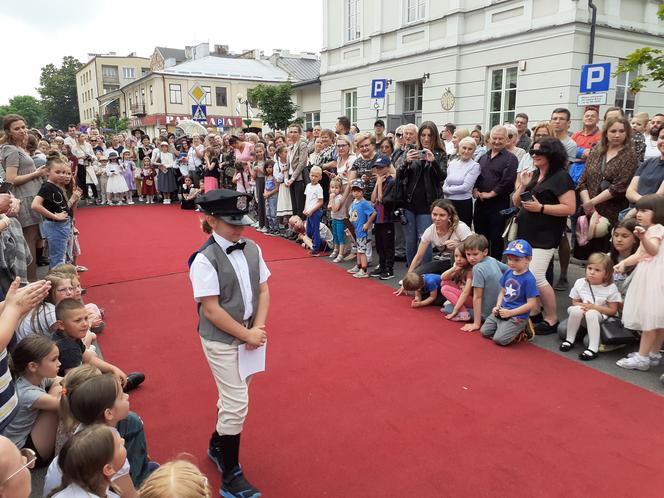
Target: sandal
[588, 355]
[566, 346]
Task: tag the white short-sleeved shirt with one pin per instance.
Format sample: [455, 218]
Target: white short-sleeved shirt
[75, 491]
[37, 322]
[313, 194]
[54, 476]
[431, 237]
[603, 293]
[205, 282]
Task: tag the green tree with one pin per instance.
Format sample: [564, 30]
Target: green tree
[28, 107]
[275, 104]
[58, 92]
[651, 58]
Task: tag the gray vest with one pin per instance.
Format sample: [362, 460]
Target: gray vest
[230, 294]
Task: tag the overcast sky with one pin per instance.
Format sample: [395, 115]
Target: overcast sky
[44, 32]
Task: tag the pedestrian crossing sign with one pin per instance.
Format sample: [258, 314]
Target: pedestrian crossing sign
[199, 113]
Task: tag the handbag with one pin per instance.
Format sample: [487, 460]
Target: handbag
[612, 330]
[511, 228]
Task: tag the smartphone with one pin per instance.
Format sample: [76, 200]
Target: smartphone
[423, 154]
[6, 187]
[526, 196]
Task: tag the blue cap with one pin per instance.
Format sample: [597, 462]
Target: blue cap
[519, 247]
[382, 162]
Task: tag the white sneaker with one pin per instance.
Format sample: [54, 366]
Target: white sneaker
[130, 202]
[654, 358]
[167, 201]
[361, 274]
[140, 199]
[338, 259]
[354, 269]
[121, 203]
[334, 254]
[635, 362]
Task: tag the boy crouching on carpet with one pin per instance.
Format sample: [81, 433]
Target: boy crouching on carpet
[517, 297]
[326, 237]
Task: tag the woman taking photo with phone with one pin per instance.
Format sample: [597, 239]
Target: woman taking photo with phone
[545, 198]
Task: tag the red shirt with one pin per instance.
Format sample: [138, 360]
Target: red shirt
[586, 141]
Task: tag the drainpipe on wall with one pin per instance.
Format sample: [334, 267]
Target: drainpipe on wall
[593, 22]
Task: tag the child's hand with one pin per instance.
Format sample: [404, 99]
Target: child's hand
[505, 313]
[639, 231]
[60, 216]
[121, 375]
[26, 298]
[365, 227]
[452, 315]
[415, 303]
[587, 306]
[619, 268]
[256, 336]
[400, 291]
[495, 311]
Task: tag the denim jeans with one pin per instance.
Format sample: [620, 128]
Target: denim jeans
[313, 229]
[56, 233]
[413, 230]
[271, 212]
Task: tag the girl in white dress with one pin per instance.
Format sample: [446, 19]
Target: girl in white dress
[281, 174]
[116, 186]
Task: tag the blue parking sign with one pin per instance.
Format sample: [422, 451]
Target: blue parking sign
[595, 77]
[378, 88]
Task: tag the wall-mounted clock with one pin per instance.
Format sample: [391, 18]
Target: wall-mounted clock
[447, 100]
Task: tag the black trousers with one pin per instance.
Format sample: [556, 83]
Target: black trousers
[489, 222]
[80, 180]
[464, 209]
[384, 233]
[260, 201]
[297, 197]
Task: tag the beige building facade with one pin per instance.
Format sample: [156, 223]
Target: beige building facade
[104, 74]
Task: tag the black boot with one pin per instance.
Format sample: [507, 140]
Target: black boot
[214, 451]
[234, 484]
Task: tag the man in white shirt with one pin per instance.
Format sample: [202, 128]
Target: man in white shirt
[70, 139]
[656, 124]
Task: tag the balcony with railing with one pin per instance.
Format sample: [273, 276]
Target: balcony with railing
[138, 109]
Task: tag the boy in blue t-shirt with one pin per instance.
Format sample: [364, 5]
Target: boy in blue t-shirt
[428, 283]
[517, 298]
[362, 215]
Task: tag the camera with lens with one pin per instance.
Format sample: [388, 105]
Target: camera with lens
[401, 216]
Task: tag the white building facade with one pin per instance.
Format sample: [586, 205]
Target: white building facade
[478, 61]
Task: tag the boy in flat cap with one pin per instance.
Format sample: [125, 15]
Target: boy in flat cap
[229, 280]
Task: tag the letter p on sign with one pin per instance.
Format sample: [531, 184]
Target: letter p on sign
[595, 77]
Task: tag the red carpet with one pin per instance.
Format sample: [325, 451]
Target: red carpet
[363, 396]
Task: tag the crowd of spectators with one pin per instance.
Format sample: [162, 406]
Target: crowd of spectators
[477, 218]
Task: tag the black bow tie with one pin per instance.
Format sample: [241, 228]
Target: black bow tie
[237, 245]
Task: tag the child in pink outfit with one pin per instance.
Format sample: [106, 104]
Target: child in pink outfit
[457, 288]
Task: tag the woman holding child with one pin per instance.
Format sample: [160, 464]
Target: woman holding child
[546, 197]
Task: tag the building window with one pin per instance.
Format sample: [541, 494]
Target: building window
[142, 95]
[151, 99]
[207, 100]
[129, 73]
[624, 98]
[412, 96]
[144, 71]
[415, 10]
[109, 71]
[502, 103]
[311, 119]
[175, 93]
[220, 95]
[352, 31]
[350, 105]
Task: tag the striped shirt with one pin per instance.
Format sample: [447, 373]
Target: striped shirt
[8, 398]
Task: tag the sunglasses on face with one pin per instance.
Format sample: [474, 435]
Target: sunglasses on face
[399, 135]
[536, 152]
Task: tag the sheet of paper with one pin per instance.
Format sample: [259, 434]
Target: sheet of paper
[250, 361]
